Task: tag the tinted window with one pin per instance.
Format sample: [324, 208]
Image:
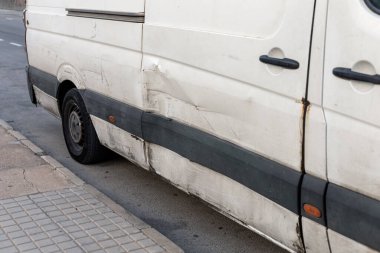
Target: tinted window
[374, 5]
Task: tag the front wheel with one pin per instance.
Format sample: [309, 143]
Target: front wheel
[80, 136]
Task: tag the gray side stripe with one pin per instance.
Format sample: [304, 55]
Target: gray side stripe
[135, 17]
[353, 215]
[268, 178]
[127, 117]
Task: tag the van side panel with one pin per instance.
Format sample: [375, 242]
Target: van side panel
[353, 126]
[93, 53]
[201, 68]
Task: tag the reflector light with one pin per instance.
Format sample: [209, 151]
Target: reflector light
[312, 211]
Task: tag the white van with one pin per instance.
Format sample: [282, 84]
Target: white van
[268, 110]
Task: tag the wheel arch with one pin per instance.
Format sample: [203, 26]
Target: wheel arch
[68, 78]
[62, 90]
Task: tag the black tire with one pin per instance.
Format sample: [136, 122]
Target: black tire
[80, 136]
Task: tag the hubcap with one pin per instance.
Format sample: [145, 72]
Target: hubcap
[75, 127]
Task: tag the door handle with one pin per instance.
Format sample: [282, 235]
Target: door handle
[284, 63]
[348, 74]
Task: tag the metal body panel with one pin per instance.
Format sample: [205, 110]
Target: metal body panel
[353, 127]
[315, 237]
[47, 101]
[236, 200]
[352, 107]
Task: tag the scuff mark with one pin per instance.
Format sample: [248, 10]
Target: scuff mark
[135, 137]
[93, 36]
[298, 245]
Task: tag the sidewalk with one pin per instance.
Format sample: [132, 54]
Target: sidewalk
[46, 208]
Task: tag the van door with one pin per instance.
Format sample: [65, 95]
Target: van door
[351, 103]
[227, 80]
[109, 60]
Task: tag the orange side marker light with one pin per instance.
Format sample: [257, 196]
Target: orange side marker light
[312, 211]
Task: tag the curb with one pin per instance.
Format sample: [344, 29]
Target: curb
[152, 233]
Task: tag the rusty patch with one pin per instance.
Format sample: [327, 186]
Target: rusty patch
[298, 245]
[112, 119]
[305, 110]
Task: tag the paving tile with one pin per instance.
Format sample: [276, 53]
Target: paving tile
[44, 242]
[131, 246]
[146, 243]
[26, 246]
[67, 245]
[11, 249]
[155, 249]
[5, 244]
[108, 243]
[7, 223]
[116, 249]
[17, 234]
[21, 240]
[11, 229]
[61, 238]
[91, 247]
[138, 236]
[49, 249]
[52, 222]
[74, 250]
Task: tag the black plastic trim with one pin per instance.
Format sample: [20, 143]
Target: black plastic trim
[46, 82]
[349, 74]
[313, 192]
[133, 17]
[353, 215]
[32, 95]
[284, 63]
[126, 117]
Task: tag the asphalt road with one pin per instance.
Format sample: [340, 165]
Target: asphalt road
[185, 220]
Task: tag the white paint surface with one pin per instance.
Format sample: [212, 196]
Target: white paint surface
[315, 237]
[227, 196]
[342, 244]
[352, 108]
[47, 101]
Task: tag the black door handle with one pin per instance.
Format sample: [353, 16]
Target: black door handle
[284, 63]
[348, 74]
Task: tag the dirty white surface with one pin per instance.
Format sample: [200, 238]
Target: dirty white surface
[248, 207]
[46, 101]
[342, 244]
[353, 122]
[315, 237]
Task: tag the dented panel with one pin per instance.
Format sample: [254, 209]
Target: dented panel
[121, 142]
[250, 208]
[231, 110]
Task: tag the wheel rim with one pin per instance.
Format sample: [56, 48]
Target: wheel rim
[75, 128]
